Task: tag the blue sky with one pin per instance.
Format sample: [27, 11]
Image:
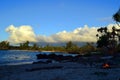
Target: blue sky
[49, 17]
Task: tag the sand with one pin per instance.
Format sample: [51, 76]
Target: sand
[58, 71]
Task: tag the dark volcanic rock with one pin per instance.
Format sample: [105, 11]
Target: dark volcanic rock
[57, 57]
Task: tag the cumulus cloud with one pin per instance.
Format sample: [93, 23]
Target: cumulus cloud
[111, 25]
[21, 34]
[80, 34]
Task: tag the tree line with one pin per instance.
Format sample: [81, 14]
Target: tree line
[69, 47]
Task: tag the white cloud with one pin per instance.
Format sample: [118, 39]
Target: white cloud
[111, 25]
[81, 34]
[21, 34]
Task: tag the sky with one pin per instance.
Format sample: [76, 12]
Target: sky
[54, 20]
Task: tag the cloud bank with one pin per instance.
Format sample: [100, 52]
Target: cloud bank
[21, 34]
[26, 33]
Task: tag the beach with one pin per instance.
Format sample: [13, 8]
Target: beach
[58, 71]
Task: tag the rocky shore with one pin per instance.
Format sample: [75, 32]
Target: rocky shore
[60, 67]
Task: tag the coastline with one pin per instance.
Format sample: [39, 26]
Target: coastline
[63, 70]
[14, 57]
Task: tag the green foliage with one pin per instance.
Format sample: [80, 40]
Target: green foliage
[24, 45]
[52, 48]
[103, 41]
[116, 16]
[4, 45]
[71, 47]
[87, 48]
[35, 47]
[103, 37]
[48, 48]
[107, 38]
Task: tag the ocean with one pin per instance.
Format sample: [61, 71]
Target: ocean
[17, 57]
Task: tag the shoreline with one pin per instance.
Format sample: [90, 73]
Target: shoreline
[23, 62]
[38, 51]
[58, 71]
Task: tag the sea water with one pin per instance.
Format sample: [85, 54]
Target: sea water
[18, 57]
